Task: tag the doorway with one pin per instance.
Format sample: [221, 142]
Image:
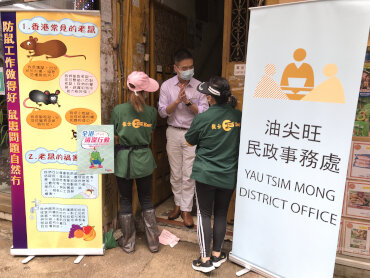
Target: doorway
[175, 24]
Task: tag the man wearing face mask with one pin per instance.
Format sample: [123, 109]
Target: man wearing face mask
[180, 101]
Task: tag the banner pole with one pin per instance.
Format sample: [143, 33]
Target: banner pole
[251, 267]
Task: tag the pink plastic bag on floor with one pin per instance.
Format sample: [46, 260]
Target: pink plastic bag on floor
[167, 238]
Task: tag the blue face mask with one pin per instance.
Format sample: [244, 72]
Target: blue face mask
[186, 74]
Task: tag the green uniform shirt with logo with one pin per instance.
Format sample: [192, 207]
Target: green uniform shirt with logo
[134, 129]
[216, 133]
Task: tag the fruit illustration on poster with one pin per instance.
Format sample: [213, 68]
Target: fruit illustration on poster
[86, 232]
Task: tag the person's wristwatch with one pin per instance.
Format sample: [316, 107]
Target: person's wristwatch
[189, 103]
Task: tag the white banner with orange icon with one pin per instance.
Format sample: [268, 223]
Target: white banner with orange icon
[302, 84]
[52, 71]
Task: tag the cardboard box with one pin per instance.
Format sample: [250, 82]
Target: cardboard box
[357, 200]
[359, 162]
[356, 238]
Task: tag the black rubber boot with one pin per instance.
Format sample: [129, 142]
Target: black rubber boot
[151, 230]
[127, 241]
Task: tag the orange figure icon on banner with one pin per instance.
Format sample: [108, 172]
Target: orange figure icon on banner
[298, 77]
[267, 87]
[331, 90]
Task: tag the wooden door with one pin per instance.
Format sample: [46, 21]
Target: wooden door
[167, 34]
[133, 52]
[151, 33]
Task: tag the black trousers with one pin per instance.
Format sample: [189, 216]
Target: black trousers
[144, 193]
[211, 198]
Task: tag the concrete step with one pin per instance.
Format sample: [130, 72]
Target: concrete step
[177, 226]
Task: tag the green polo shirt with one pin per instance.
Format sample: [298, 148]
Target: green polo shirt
[216, 133]
[134, 129]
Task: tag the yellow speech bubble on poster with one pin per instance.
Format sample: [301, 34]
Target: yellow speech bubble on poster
[44, 119]
[81, 116]
[41, 70]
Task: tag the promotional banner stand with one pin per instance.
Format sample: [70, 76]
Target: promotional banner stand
[240, 272]
[78, 259]
[250, 267]
[53, 87]
[301, 90]
[28, 259]
[80, 253]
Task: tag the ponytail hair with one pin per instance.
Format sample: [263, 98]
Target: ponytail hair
[137, 100]
[232, 101]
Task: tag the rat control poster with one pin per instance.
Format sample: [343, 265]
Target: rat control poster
[52, 82]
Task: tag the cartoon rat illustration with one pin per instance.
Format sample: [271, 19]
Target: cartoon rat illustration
[96, 159]
[52, 48]
[44, 97]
